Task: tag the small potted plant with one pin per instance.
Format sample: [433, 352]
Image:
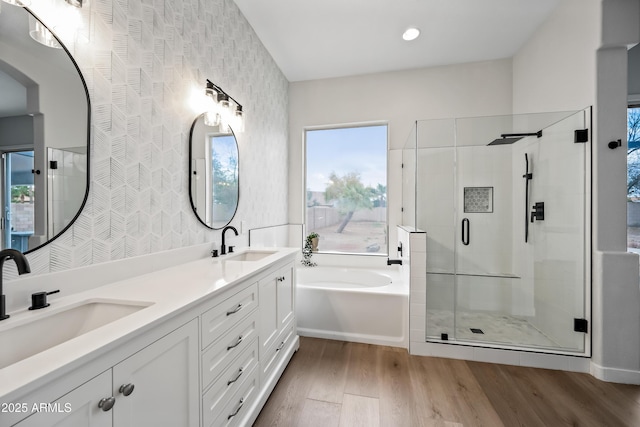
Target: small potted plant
[309, 248]
[314, 237]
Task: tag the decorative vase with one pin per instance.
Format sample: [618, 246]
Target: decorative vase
[314, 244]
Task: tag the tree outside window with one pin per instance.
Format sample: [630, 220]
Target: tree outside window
[633, 177]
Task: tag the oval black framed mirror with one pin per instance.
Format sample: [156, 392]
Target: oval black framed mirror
[214, 188]
[44, 133]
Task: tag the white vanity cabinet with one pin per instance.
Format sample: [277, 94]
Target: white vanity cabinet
[239, 360]
[277, 326]
[211, 364]
[156, 386]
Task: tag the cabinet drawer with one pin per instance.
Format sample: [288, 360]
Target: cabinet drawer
[217, 320]
[229, 382]
[220, 354]
[272, 356]
[235, 410]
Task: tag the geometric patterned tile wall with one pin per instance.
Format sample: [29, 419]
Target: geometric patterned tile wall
[143, 58]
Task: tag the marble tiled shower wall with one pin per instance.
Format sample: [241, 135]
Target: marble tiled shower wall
[142, 62]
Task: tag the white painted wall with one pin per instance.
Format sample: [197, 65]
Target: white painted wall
[399, 98]
[555, 69]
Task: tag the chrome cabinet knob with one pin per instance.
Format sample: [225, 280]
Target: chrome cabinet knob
[126, 389]
[107, 403]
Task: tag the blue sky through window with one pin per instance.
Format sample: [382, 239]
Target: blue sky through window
[344, 150]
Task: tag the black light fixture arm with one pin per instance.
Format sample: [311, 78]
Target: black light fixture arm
[212, 85]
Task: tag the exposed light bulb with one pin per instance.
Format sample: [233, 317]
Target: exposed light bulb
[19, 3]
[67, 22]
[225, 112]
[411, 33]
[211, 118]
[76, 3]
[238, 120]
[41, 34]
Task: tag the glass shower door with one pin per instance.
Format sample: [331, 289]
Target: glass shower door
[486, 267]
[506, 221]
[558, 246]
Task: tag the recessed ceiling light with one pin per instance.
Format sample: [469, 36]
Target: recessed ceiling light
[411, 34]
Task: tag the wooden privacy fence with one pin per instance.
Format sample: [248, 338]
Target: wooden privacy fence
[319, 217]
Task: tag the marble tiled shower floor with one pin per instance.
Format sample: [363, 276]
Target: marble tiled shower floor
[496, 328]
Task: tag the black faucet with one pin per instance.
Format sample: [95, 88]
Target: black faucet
[223, 247]
[23, 267]
[394, 261]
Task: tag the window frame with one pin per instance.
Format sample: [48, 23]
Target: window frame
[632, 103]
[307, 129]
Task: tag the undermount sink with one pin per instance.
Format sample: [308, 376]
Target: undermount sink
[249, 256]
[32, 336]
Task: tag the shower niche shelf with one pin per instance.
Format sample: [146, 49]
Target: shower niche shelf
[478, 199]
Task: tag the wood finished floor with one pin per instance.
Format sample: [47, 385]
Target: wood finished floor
[335, 383]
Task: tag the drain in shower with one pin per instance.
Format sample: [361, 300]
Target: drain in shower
[476, 331]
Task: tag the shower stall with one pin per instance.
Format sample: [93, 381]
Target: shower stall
[505, 204]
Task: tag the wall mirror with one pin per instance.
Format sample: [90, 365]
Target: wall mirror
[44, 133]
[213, 171]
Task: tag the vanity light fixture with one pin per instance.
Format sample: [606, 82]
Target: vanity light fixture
[64, 18]
[222, 109]
[411, 33]
[76, 3]
[41, 34]
[23, 3]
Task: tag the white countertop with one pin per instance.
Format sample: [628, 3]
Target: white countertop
[170, 291]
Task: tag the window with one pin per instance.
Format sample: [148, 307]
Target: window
[633, 178]
[346, 182]
[19, 200]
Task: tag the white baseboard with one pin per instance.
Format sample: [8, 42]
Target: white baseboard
[615, 375]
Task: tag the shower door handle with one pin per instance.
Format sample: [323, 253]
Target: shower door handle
[466, 228]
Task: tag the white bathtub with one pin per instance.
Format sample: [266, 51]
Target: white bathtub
[353, 304]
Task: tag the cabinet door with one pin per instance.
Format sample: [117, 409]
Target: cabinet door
[267, 296]
[165, 383]
[285, 292]
[76, 408]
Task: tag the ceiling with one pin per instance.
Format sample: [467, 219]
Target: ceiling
[311, 39]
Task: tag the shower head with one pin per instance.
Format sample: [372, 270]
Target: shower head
[504, 140]
[510, 138]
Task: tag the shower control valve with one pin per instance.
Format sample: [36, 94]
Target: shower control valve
[537, 214]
